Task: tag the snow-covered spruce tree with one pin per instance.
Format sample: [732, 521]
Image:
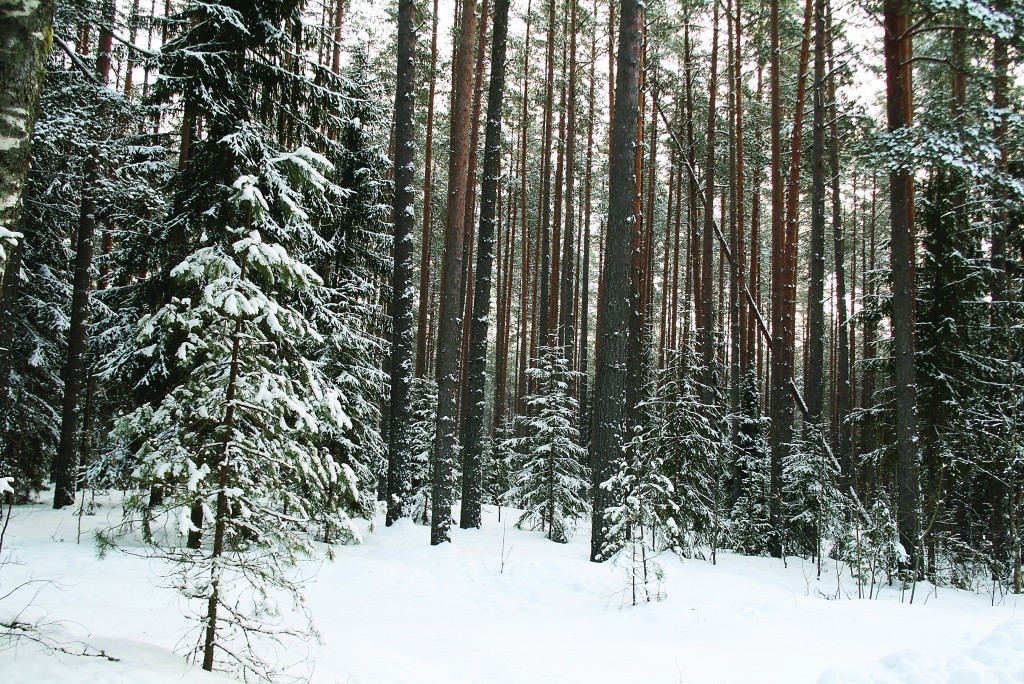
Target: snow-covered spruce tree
[421, 440]
[256, 370]
[241, 445]
[814, 509]
[549, 476]
[673, 482]
[875, 553]
[749, 524]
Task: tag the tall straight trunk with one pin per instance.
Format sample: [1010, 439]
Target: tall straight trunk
[709, 317]
[505, 257]
[399, 484]
[133, 36]
[793, 185]
[524, 320]
[844, 390]
[666, 256]
[998, 488]
[557, 239]
[693, 280]
[735, 218]
[544, 328]
[676, 253]
[899, 109]
[608, 442]
[781, 402]
[422, 333]
[449, 335]
[869, 334]
[634, 341]
[472, 448]
[105, 49]
[743, 279]
[566, 329]
[584, 391]
[339, 10]
[651, 193]
[814, 372]
[468, 279]
[65, 465]
[756, 341]
[25, 37]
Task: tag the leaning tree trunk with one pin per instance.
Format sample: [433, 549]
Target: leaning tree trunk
[399, 486]
[608, 444]
[26, 34]
[474, 421]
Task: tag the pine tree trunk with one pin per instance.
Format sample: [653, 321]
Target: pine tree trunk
[844, 390]
[449, 336]
[608, 444]
[708, 316]
[65, 466]
[422, 333]
[814, 374]
[399, 485]
[899, 108]
[524, 241]
[566, 329]
[781, 402]
[544, 275]
[474, 421]
[584, 392]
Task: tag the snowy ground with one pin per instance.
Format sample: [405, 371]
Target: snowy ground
[395, 610]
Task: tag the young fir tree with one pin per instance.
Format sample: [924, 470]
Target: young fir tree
[423, 414]
[245, 438]
[257, 374]
[815, 510]
[673, 483]
[549, 475]
[749, 519]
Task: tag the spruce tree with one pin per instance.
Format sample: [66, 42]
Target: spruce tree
[549, 476]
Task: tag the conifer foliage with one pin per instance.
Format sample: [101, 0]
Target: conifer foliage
[259, 375]
[549, 473]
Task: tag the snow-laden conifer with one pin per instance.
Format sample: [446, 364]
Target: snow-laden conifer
[672, 483]
[549, 476]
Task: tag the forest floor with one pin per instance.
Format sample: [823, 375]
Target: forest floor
[500, 605]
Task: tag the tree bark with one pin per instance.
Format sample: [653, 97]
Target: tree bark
[26, 34]
[781, 402]
[814, 375]
[422, 334]
[450, 323]
[844, 390]
[474, 422]
[65, 466]
[899, 109]
[608, 444]
[399, 485]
